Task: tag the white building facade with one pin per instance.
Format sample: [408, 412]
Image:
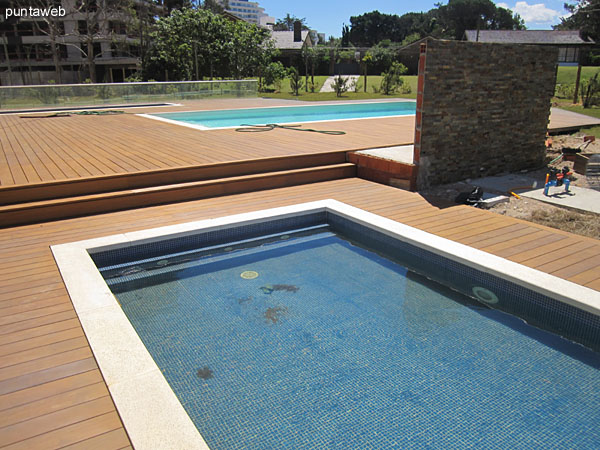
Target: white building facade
[248, 11]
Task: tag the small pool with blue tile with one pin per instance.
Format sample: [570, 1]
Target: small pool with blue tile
[306, 340]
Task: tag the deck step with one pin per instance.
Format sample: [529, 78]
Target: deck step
[111, 183]
[61, 208]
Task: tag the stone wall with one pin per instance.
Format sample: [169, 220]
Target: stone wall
[482, 109]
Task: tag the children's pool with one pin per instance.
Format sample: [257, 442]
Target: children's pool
[323, 326]
[288, 114]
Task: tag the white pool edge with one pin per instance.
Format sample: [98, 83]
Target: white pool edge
[151, 413]
[203, 128]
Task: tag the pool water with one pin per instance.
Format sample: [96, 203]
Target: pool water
[326, 344]
[291, 114]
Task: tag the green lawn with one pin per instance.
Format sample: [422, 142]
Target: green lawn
[372, 81]
[567, 75]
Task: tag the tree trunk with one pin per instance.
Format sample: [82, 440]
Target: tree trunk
[56, 59]
[577, 83]
[306, 75]
[7, 56]
[90, 60]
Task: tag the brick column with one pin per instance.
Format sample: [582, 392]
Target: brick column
[419, 112]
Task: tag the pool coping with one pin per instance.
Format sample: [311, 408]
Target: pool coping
[159, 420]
[205, 128]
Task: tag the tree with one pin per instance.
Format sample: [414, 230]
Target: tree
[190, 43]
[444, 21]
[391, 79]
[367, 60]
[585, 16]
[287, 23]
[95, 19]
[214, 6]
[295, 80]
[273, 74]
[250, 48]
[460, 15]
[50, 26]
[340, 85]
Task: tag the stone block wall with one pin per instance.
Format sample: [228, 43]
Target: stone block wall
[482, 109]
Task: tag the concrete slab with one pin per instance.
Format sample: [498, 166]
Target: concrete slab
[504, 183]
[488, 199]
[578, 198]
[399, 153]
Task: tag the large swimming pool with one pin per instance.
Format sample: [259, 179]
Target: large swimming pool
[289, 114]
[323, 326]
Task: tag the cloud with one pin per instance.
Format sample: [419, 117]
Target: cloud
[537, 13]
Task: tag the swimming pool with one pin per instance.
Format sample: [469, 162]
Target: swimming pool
[230, 118]
[406, 387]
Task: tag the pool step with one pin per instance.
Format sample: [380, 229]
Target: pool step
[61, 208]
[110, 183]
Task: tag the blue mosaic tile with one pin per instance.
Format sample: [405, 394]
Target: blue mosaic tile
[205, 239]
[343, 342]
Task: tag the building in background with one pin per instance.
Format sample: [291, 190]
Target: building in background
[92, 40]
[569, 42]
[249, 11]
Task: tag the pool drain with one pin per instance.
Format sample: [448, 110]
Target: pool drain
[249, 275]
[484, 295]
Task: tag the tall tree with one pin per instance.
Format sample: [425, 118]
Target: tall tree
[585, 16]
[460, 15]
[50, 26]
[444, 21]
[287, 23]
[191, 43]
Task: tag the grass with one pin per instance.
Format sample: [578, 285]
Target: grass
[372, 81]
[567, 75]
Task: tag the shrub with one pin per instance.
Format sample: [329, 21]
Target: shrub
[295, 80]
[47, 95]
[391, 80]
[564, 90]
[590, 91]
[273, 74]
[340, 85]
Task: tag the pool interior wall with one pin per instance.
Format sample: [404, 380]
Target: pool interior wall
[536, 308]
[325, 344]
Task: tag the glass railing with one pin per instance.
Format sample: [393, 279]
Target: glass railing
[100, 94]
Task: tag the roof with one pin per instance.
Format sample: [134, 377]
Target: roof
[547, 37]
[415, 46]
[285, 39]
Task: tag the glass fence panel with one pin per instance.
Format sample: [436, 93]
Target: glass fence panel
[71, 95]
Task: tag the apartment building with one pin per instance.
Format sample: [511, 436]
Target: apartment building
[67, 41]
[249, 11]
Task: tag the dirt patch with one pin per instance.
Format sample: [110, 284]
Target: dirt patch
[582, 223]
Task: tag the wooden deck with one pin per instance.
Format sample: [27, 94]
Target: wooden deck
[44, 150]
[52, 394]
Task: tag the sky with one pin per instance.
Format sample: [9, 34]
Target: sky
[328, 16]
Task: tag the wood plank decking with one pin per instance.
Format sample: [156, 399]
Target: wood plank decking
[52, 394]
[43, 150]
